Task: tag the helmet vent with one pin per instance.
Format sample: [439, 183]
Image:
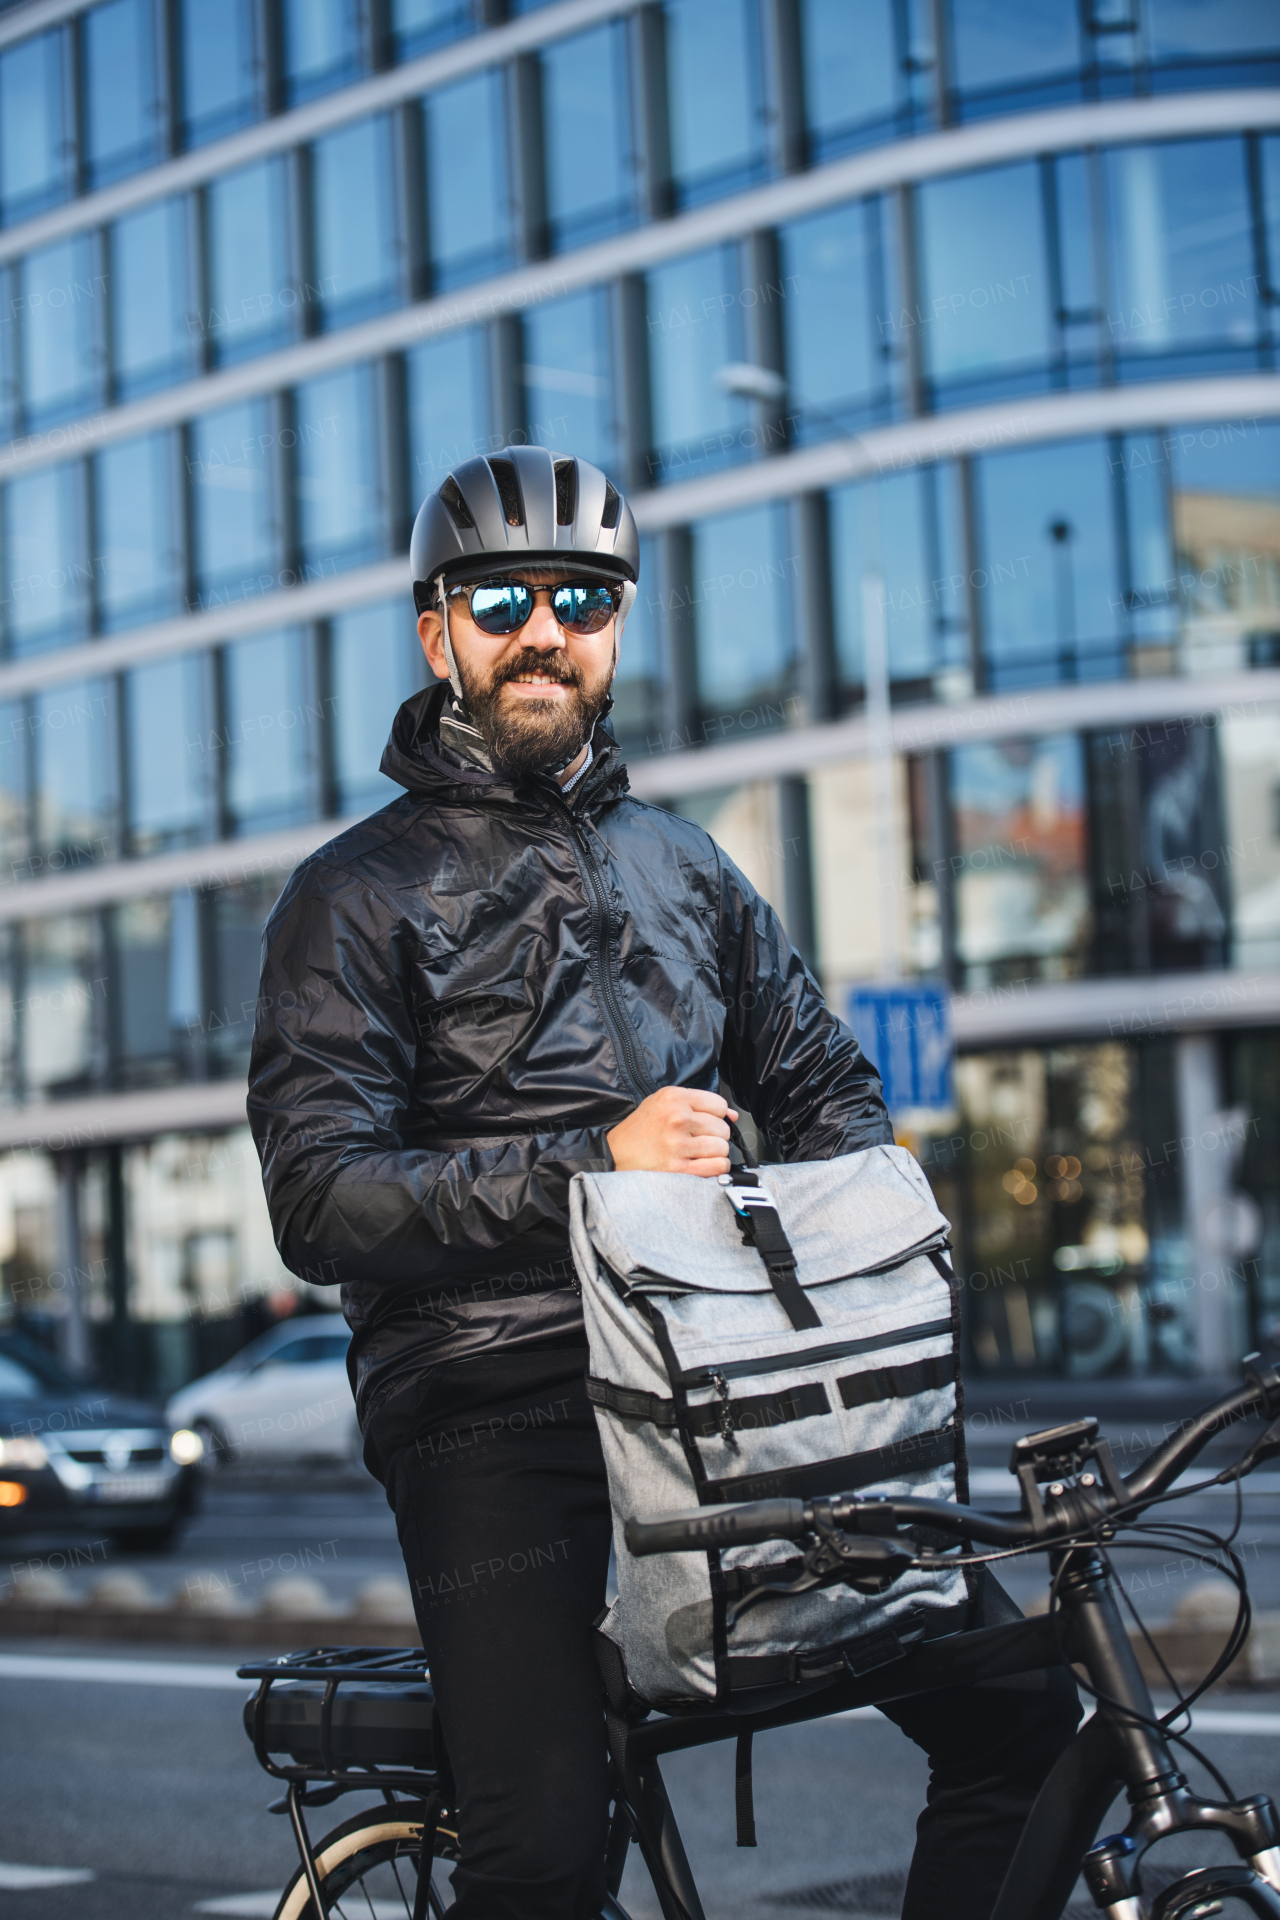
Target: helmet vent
[566, 492]
[612, 504]
[504, 474]
[458, 510]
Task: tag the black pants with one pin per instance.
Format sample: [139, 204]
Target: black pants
[498, 1486]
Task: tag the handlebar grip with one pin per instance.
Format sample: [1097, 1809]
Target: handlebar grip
[742, 1526]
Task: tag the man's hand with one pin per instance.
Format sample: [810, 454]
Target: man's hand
[676, 1130]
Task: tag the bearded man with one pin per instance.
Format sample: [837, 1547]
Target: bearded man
[514, 973]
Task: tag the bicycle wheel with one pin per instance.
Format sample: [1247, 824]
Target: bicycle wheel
[369, 1866]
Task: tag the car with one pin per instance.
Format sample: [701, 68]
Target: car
[284, 1400]
[73, 1455]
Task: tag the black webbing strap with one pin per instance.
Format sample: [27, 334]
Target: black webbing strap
[743, 1799]
[757, 1410]
[631, 1403]
[760, 1227]
[896, 1383]
[914, 1453]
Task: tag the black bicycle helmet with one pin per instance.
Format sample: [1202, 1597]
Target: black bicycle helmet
[521, 504]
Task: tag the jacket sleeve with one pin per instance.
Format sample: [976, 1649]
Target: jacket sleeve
[330, 1079]
[799, 1069]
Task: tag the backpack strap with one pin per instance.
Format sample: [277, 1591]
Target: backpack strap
[760, 1227]
[743, 1798]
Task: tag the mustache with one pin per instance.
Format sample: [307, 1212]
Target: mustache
[551, 666]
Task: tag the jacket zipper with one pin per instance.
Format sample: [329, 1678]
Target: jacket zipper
[812, 1356]
[615, 1016]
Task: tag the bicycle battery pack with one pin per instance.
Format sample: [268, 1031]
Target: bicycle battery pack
[789, 1331]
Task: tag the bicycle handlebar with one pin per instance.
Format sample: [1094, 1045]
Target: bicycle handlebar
[756, 1521]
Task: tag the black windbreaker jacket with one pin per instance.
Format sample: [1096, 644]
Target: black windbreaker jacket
[464, 993]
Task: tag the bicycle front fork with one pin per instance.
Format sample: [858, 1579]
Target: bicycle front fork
[1160, 1800]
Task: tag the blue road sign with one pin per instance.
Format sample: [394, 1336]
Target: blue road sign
[904, 1028]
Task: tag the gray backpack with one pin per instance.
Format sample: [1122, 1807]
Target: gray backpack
[791, 1330]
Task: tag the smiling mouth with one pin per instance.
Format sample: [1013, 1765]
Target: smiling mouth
[538, 683]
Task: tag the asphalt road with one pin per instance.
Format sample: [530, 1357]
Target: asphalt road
[143, 1802]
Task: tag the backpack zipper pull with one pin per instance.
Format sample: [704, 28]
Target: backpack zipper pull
[724, 1411]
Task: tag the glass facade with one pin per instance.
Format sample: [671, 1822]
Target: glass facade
[978, 412]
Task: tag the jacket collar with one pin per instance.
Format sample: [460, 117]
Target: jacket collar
[430, 768]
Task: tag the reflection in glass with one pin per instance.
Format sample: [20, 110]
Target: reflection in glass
[220, 71]
[568, 377]
[1226, 514]
[375, 663]
[238, 915]
[74, 769]
[35, 151]
[1182, 29]
[585, 110]
[272, 721]
[146, 1033]
[984, 311]
[1003, 45]
[419, 24]
[1050, 586]
[840, 331]
[49, 569]
[322, 46]
[170, 754]
[14, 735]
[357, 250]
[694, 323]
[136, 507]
[63, 1009]
[909, 540]
[60, 301]
[637, 686]
[253, 305]
[1185, 290]
[741, 586]
[851, 73]
[232, 512]
[341, 510]
[1021, 884]
[717, 130]
[154, 334]
[468, 198]
[122, 104]
[447, 406]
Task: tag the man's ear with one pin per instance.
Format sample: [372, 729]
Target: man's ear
[431, 634]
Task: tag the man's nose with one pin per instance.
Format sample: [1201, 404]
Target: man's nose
[542, 629]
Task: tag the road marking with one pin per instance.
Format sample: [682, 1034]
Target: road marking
[129, 1673]
[20, 1879]
[244, 1906]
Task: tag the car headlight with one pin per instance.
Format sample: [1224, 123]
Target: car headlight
[186, 1447]
[22, 1451]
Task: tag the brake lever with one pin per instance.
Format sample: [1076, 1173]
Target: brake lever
[829, 1563]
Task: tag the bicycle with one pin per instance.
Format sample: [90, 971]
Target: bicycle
[362, 1719]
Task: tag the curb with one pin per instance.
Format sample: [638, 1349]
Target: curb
[273, 1633]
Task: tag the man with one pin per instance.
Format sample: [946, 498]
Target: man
[512, 974]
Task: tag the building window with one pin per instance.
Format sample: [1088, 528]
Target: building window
[358, 256]
[417, 25]
[123, 101]
[854, 74]
[1224, 481]
[375, 663]
[586, 112]
[271, 727]
[740, 589]
[63, 1005]
[1048, 584]
[36, 148]
[146, 992]
[468, 196]
[984, 314]
[1184, 277]
[897, 551]
[236, 919]
[170, 754]
[569, 379]
[252, 300]
[74, 773]
[1005, 54]
[221, 69]
[154, 332]
[448, 408]
[322, 46]
[341, 504]
[717, 123]
[49, 569]
[638, 684]
[138, 524]
[842, 338]
[693, 315]
[61, 303]
[234, 516]
[14, 735]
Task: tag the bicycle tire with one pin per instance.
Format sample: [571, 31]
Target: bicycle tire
[378, 1844]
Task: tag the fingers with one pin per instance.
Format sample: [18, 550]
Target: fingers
[705, 1102]
[707, 1169]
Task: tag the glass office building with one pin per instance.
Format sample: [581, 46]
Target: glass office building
[935, 343]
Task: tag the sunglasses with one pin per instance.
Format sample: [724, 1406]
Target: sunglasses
[501, 607]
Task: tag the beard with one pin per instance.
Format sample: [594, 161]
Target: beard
[529, 735]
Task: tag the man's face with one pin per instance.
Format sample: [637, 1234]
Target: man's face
[534, 694]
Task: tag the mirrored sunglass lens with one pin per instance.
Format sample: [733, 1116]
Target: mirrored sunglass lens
[501, 609]
[585, 608]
